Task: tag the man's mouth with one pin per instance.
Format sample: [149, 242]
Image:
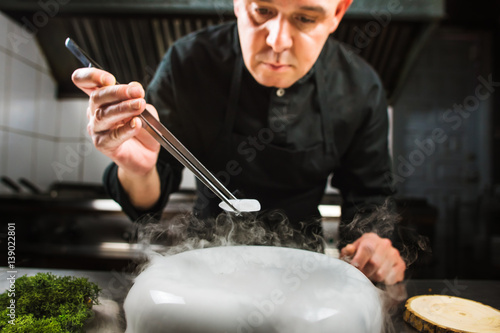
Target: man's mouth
[277, 67]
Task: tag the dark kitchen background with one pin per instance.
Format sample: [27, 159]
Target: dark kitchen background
[437, 62]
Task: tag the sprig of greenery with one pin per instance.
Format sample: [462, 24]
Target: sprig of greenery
[49, 303]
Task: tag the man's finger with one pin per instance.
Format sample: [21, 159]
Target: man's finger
[382, 270]
[112, 139]
[91, 78]
[115, 94]
[363, 254]
[348, 251]
[108, 117]
[396, 274]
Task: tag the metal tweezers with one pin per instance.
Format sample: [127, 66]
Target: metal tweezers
[167, 139]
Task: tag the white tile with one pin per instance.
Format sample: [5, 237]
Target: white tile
[20, 156]
[47, 106]
[71, 114]
[4, 30]
[23, 85]
[45, 173]
[4, 140]
[67, 163]
[22, 41]
[20, 38]
[84, 102]
[3, 86]
[94, 164]
[42, 59]
[3, 161]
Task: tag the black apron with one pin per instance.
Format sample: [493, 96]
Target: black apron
[292, 181]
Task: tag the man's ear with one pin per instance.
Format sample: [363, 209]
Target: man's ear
[236, 7]
[342, 7]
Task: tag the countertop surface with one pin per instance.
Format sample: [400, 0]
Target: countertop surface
[115, 286]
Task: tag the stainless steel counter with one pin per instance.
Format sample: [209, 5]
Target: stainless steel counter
[115, 286]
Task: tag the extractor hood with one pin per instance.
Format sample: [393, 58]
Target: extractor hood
[129, 37]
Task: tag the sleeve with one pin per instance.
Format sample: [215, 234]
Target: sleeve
[364, 176]
[161, 94]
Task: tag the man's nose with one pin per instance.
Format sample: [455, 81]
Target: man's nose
[280, 34]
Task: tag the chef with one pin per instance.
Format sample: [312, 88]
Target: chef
[272, 106]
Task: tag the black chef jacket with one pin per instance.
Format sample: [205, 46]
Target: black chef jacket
[275, 145]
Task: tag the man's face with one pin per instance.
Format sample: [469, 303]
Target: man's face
[281, 39]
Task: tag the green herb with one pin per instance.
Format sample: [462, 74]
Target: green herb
[48, 303]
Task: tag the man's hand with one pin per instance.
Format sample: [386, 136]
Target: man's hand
[376, 258]
[117, 132]
[113, 123]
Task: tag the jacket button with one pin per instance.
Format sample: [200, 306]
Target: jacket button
[280, 92]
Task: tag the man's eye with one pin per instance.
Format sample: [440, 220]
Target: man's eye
[263, 11]
[305, 19]
[262, 14]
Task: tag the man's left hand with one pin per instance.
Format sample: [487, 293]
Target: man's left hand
[376, 258]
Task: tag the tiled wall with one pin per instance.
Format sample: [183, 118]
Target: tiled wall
[42, 139]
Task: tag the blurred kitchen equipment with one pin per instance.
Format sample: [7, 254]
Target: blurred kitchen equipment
[177, 149]
[11, 184]
[32, 187]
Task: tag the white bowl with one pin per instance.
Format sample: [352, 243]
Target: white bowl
[252, 289]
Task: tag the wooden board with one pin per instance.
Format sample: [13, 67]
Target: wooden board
[443, 314]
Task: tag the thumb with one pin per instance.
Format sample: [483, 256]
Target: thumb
[348, 250]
